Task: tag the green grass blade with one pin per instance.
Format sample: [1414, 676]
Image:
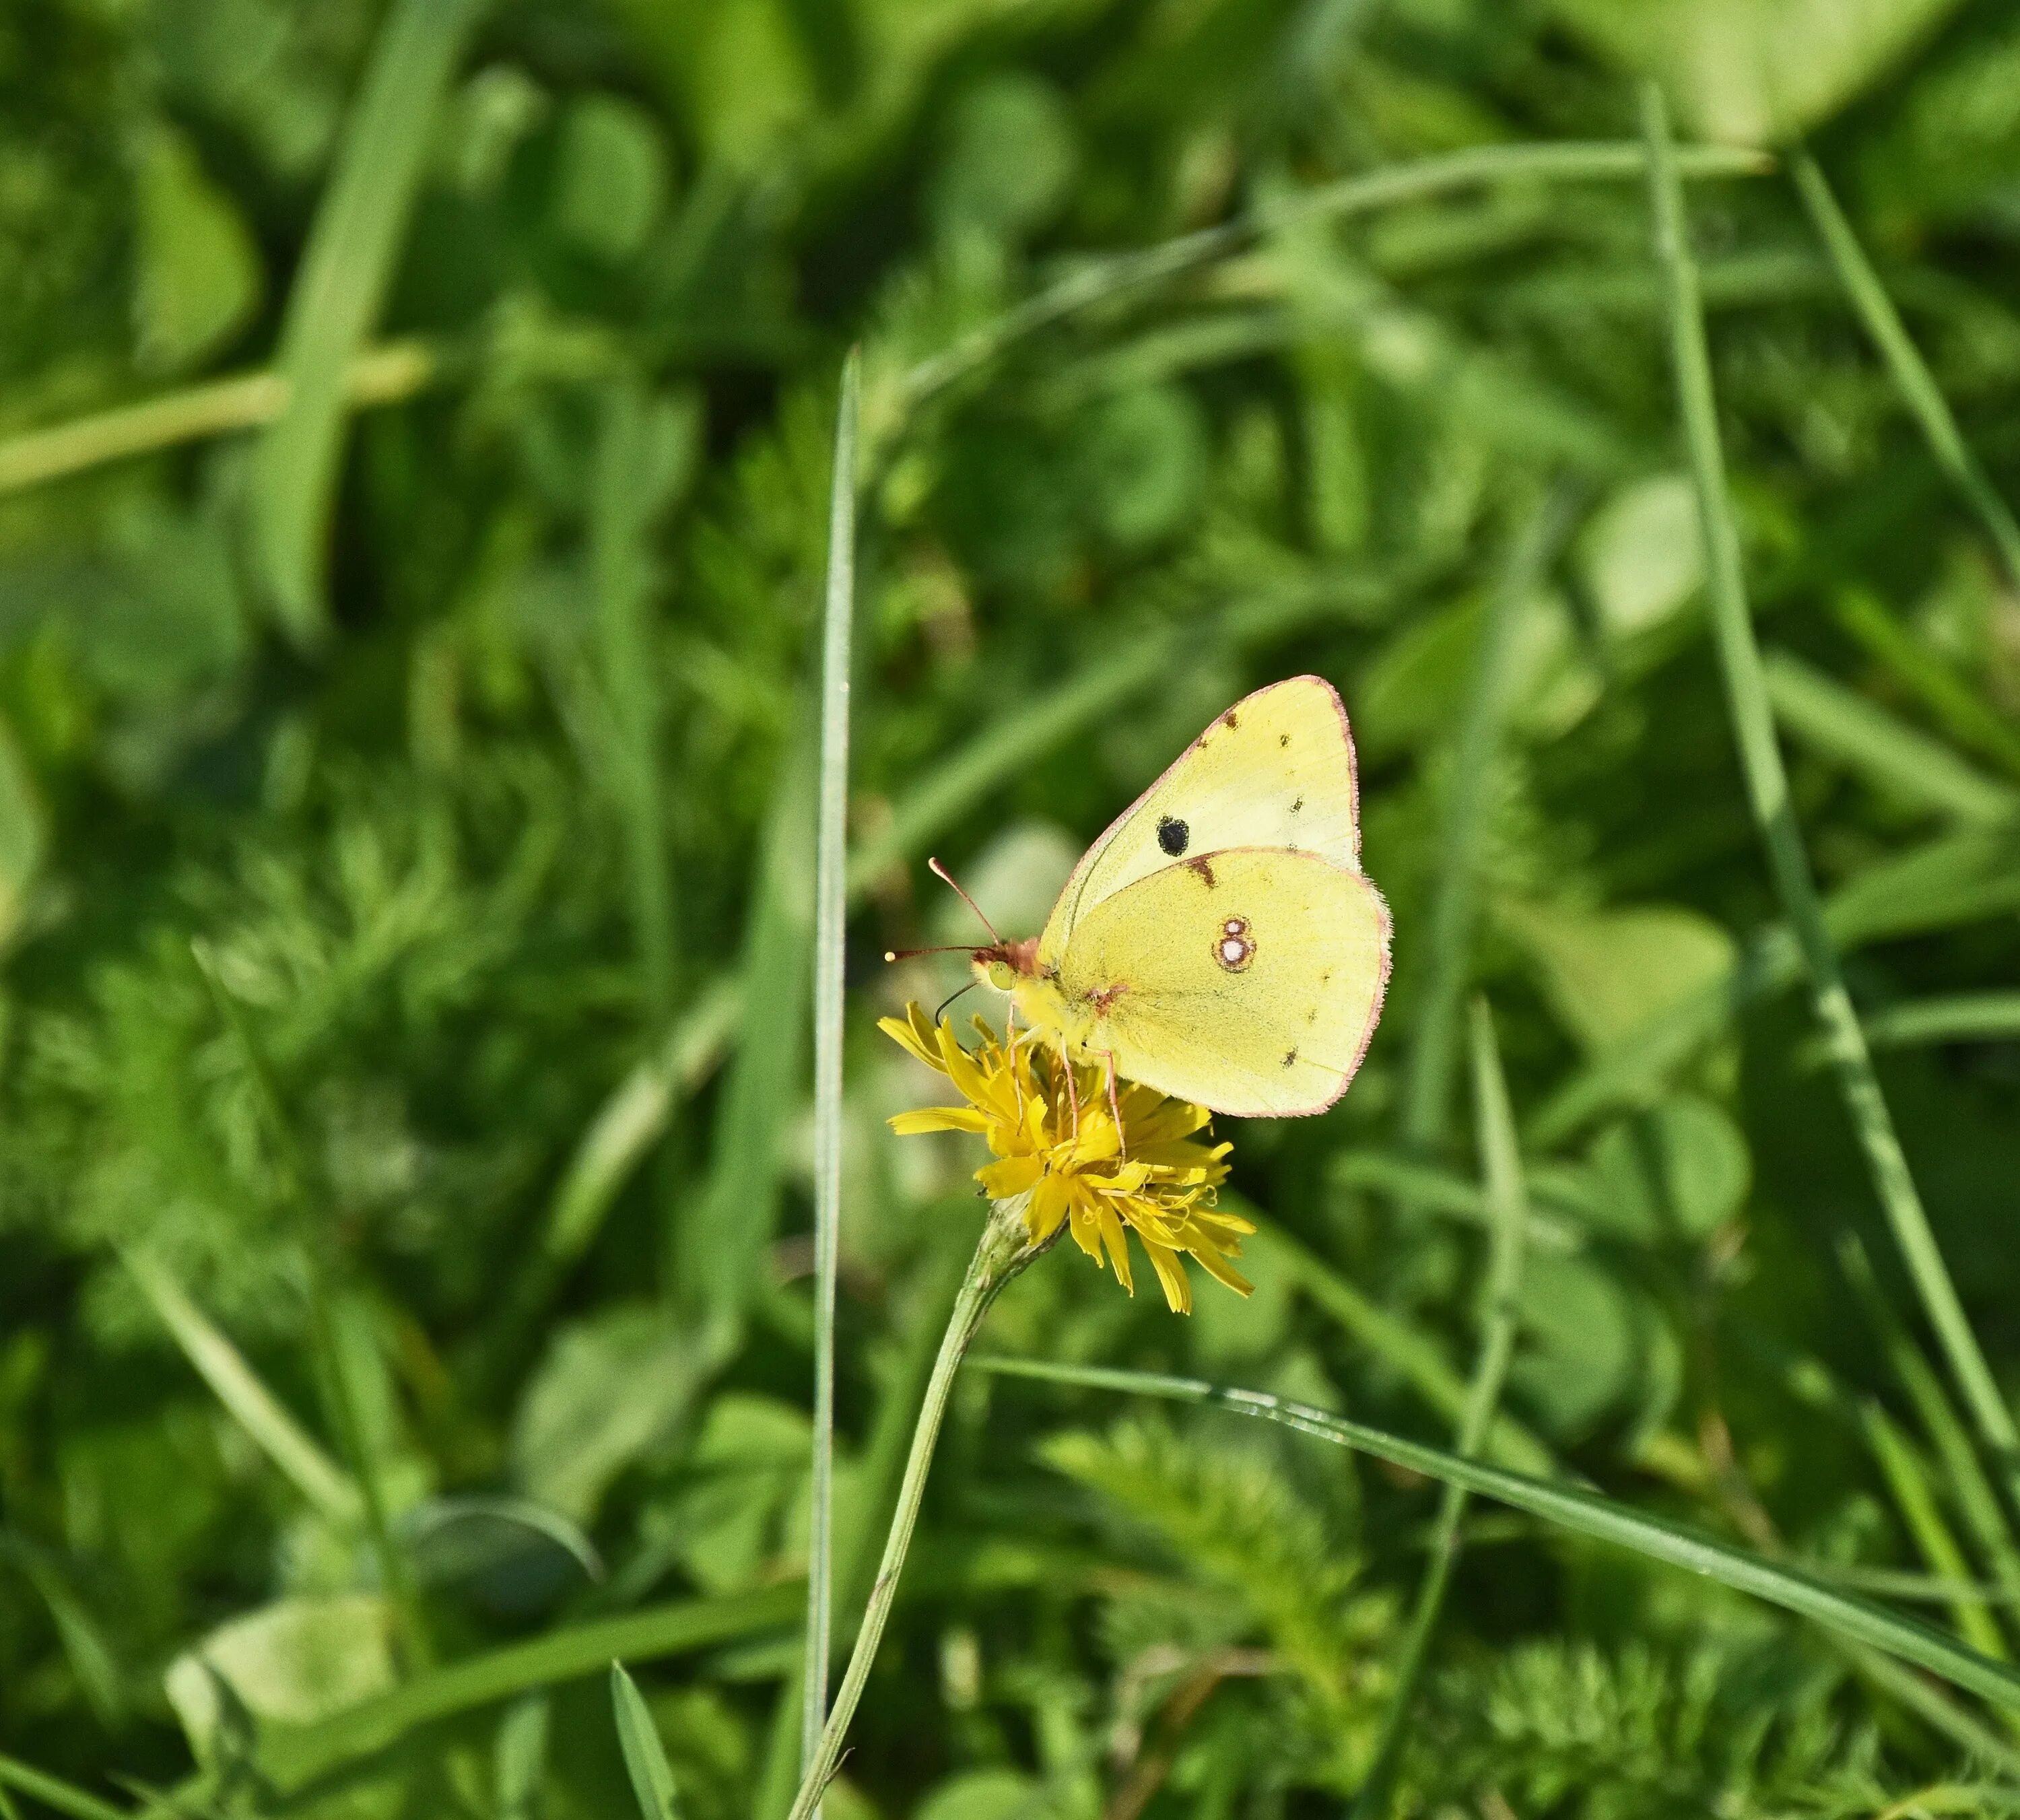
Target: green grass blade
[719, 1235]
[1859, 734]
[1435, 1034]
[643, 456]
[53, 1791]
[256, 1409]
[1936, 1707]
[1420, 180]
[645, 1757]
[626, 1128]
[880, 1475]
[1768, 791]
[345, 270]
[1907, 1476]
[1508, 1200]
[1016, 740]
[1582, 1512]
[630, 1121]
[385, 375]
[1969, 1488]
[1970, 720]
[1910, 372]
[1404, 1348]
[1963, 1017]
[296, 1758]
[830, 948]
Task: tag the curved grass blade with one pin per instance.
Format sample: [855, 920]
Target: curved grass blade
[1967, 716]
[830, 935]
[1403, 1346]
[1850, 731]
[645, 1757]
[294, 1759]
[1911, 375]
[1768, 791]
[1434, 1041]
[646, 453]
[1508, 1204]
[256, 1410]
[345, 269]
[54, 1791]
[1583, 1512]
[718, 1236]
[1415, 182]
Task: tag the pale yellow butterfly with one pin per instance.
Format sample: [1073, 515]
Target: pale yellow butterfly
[1219, 943]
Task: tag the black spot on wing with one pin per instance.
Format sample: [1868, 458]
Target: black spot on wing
[1173, 835]
[1283, 738]
[1289, 1057]
[1298, 803]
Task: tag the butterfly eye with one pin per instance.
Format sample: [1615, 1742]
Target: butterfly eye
[1002, 975]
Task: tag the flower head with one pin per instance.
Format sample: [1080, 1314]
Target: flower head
[1151, 1177]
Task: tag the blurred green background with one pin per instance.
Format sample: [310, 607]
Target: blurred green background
[414, 440]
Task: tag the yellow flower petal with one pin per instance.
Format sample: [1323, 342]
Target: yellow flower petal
[1053, 1133]
[1011, 1176]
[938, 1118]
[1171, 1274]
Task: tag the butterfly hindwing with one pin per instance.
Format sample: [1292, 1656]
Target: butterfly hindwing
[1275, 770]
[1247, 980]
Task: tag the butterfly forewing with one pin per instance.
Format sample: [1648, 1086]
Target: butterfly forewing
[1275, 770]
[1246, 980]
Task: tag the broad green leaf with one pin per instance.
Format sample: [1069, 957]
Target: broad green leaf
[1607, 973]
[198, 278]
[1756, 72]
[610, 176]
[1007, 158]
[611, 1387]
[985, 1794]
[1677, 1171]
[1639, 554]
[294, 1662]
[1585, 1335]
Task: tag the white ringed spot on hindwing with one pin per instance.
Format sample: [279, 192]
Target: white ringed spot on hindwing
[1233, 945]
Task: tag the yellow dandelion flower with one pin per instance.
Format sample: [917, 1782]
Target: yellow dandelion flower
[1153, 1177]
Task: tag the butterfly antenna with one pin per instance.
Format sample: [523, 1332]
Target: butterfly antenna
[940, 872]
[914, 953]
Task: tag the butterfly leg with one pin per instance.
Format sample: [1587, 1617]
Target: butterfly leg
[1072, 1086]
[1115, 1106]
[1010, 1040]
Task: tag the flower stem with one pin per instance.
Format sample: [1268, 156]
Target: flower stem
[1005, 1249]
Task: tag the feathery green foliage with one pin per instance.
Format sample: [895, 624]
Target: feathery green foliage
[417, 450]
